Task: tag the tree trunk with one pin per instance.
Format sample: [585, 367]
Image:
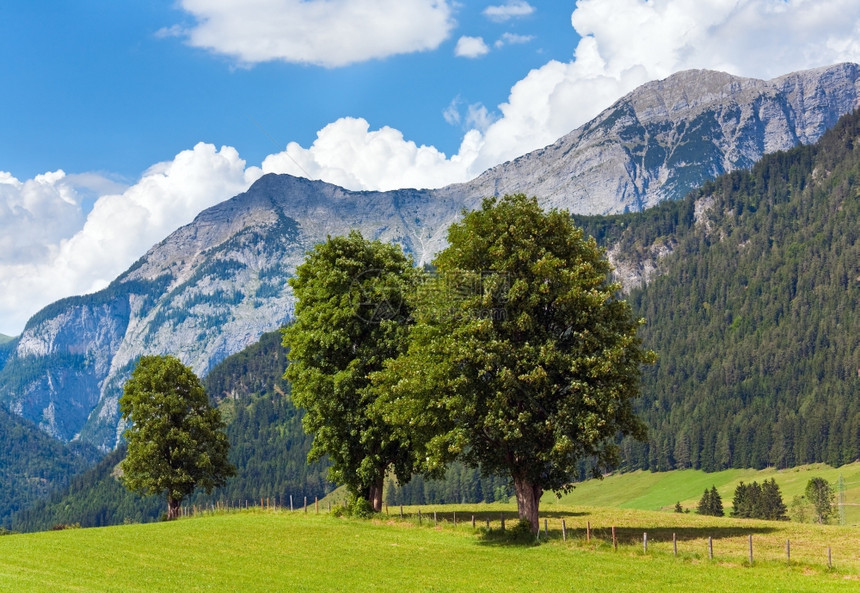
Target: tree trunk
[375, 496]
[172, 508]
[528, 501]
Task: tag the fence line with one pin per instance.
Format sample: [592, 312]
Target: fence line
[566, 529]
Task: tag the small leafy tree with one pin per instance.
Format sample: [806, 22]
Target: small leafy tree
[799, 509]
[351, 316]
[523, 359]
[175, 438]
[820, 494]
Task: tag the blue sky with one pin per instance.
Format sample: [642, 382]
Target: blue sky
[120, 121]
[106, 86]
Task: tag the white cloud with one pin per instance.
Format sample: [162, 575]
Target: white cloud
[759, 38]
[471, 47]
[51, 247]
[513, 9]
[477, 116]
[328, 33]
[512, 39]
[348, 154]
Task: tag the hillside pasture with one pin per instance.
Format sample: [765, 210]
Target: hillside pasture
[661, 490]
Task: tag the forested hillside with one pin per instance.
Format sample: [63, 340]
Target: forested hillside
[754, 313]
[32, 462]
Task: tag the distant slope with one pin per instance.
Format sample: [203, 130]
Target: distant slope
[32, 463]
[661, 490]
[4, 338]
[754, 311]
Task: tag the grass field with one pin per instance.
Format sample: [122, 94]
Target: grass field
[660, 491]
[269, 551]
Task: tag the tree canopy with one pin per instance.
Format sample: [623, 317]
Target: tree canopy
[523, 360]
[175, 438]
[351, 315]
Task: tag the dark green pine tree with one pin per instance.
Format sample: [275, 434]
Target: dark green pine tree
[741, 504]
[716, 503]
[772, 503]
[756, 500]
[711, 503]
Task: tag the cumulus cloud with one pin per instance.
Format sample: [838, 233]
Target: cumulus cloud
[504, 12]
[759, 38]
[471, 47]
[349, 154]
[512, 39]
[54, 245]
[328, 33]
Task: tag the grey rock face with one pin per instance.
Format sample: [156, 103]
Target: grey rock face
[214, 286]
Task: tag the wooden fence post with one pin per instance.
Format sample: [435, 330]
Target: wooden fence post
[435, 520]
[291, 502]
[306, 505]
[317, 504]
[502, 515]
[455, 518]
[751, 550]
[829, 559]
[563, 531]
[473, 521]
[545, 529]
[401, 511]
[788, 551]
[614, 538]
[645, 542]
[588, 532]
[710, 548]
[419, 516]
[675, 544]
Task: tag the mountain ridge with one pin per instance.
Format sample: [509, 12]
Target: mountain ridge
[792, 109]
[214, 286]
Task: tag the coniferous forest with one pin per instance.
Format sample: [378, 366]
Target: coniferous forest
[754, 314]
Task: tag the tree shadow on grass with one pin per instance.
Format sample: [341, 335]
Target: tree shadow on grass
[624, 535]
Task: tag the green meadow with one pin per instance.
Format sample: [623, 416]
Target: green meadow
[278, 550]
[660, 491]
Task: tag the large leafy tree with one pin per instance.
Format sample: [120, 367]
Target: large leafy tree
[175, 438]
[523, 360]
[351, 315]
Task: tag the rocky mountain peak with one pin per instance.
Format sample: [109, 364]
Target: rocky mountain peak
[669, 136]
